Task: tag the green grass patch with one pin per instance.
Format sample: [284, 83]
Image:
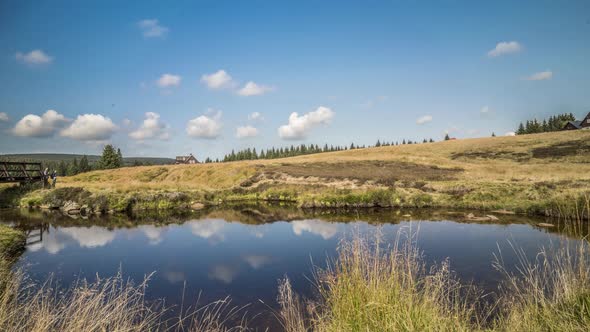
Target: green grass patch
[12, 241]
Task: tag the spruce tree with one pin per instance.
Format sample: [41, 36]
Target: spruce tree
[73, 168]
[84, 166]
[520, 130]
[110, 158]
[62, 168]
[119, 158]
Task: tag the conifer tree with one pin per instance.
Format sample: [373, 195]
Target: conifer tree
[110, 158]
[62, 168]
[73, 168]
[120, 157]
[520, 130]
[84, 166]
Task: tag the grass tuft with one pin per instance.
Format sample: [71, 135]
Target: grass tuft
[550, 293]
[111, 304]
[374, 288]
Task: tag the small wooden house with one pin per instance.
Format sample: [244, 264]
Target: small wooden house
[582, 124]
[190, 159]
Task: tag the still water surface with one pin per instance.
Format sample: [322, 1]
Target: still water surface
[244, 251]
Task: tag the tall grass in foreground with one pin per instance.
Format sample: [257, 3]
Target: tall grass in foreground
[551, 293]
[110, 304]
[105, 305]
[368, 288]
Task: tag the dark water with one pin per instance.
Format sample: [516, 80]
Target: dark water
[242, 252]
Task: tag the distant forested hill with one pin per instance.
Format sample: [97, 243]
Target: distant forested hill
[57, 157]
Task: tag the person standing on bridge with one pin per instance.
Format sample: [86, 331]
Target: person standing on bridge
[53, 178]
[45, 177]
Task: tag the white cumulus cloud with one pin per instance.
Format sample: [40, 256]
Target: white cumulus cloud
[53, 242]
[32, 125]
[35, 57]
[205, 126]
[300, 126]
[253, 89]
[90, 237]
[324, 229]
[153, 233]
[151, 127]
[255, 116]
[505, 48]
[151, 28]
[225, 273]
[257, 261]
[424, 119]
[218, 80]
[168, 80]
[210, 229]
[90, 127]
[3, 117]
[174, 276]
[540, 76]
[510, 133]
[246, 132]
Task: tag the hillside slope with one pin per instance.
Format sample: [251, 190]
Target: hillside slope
[524, 173]
[532, 158]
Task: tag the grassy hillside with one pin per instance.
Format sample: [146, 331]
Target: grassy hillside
[531, 173]
[56, 157]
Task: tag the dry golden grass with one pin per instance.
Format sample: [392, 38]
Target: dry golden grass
[550, 293]
[504, 167]
[523, 173]
[177, 177]
[111, 304]
[373, 287]
[106, 305]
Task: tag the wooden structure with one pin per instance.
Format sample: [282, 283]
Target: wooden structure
[35, 235]
[11, 171]
[190, 159]
[574, 125]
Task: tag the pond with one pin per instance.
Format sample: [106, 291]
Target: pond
[245, 250]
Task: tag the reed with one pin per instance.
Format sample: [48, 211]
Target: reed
[548, 293]
[370, 287]
[574, 212]
[552, 291]
[109, 304]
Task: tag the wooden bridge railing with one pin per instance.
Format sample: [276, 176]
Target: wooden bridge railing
[11, 171]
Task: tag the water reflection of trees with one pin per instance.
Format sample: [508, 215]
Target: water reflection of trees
[261, 213]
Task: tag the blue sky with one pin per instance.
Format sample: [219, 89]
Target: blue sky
[161, 80]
